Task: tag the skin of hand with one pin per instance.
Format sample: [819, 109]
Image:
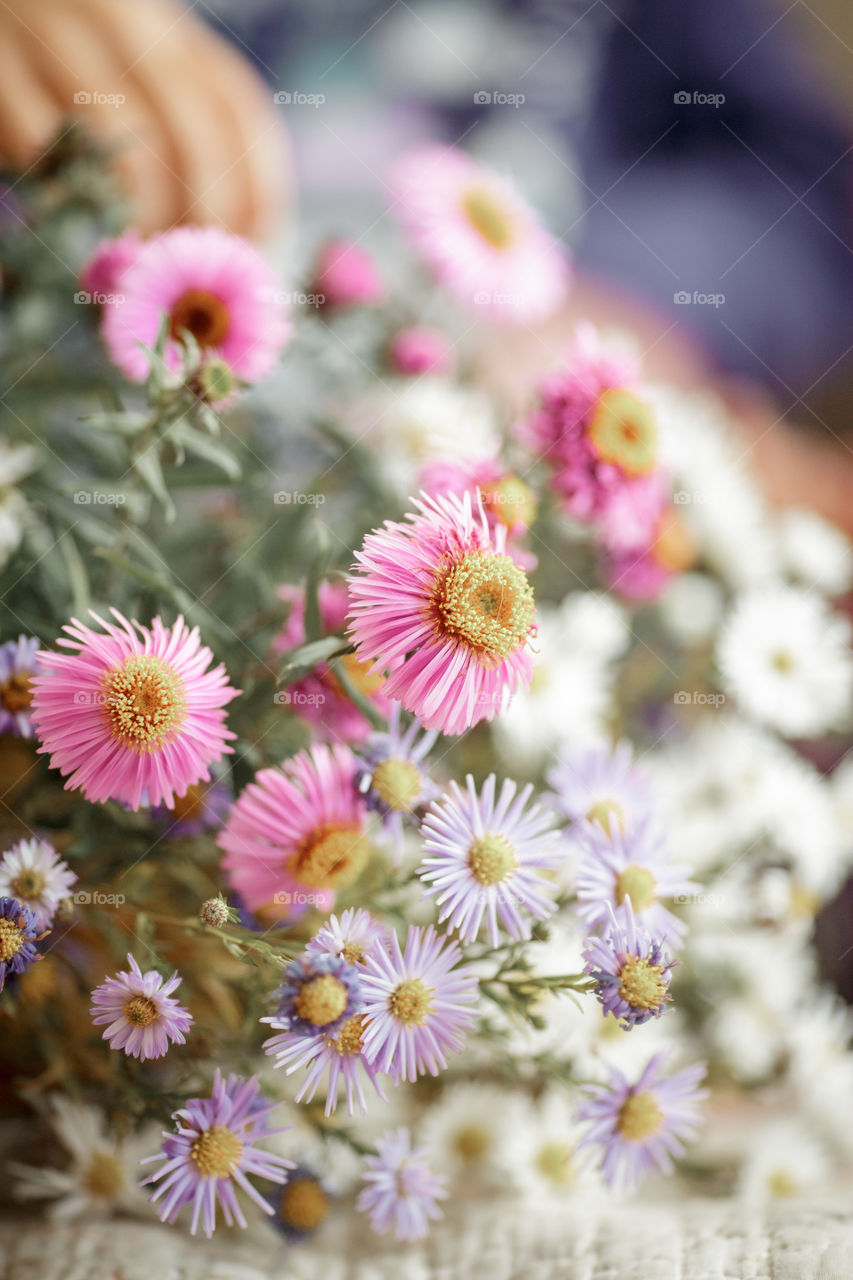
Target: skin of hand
[197, 134]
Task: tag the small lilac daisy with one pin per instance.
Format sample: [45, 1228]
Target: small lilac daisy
[302, 1205]
[417, 1004]
[19, 931]
[631, 971]
[319, 993]
[402, 1192]
[211, 1149]
[19, 661]
[353, 936]
[33, 873]
[393, 781]
[143, 1018]
[614, 868]
[341, 1051]
[642, 1126]
[487, 858]
[601, 785]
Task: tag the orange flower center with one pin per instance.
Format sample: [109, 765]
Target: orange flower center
[203, 315]
[16, 693]
[330, 858]
[143, 701]
[485, 602]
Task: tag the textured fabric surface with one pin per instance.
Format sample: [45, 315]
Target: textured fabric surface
[690, 1240]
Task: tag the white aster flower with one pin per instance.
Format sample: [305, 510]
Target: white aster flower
[467, 1131]
[690, 608]
[783, 1161]
[33, 873]
[784, 655]
[814, 552]
[541, 1157]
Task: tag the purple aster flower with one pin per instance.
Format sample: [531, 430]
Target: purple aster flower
[301, 1205]
[353, 936]
[402, 1192]
[19, 661]
[203, 807]
[33, 873]
[602, 786]
[319, 993]
[341, 1051]
[393, 781]
[142, 1016]
[19, 931]
[487, 856]
[632, 972]
[614, 868]
[417, 1004]
[642, 1126]
[212, 1149]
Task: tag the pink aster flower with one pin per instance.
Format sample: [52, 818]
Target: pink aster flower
[416, 351]
[33, 873]
[642, 572]
[478, 236]
[485, 858]
[319, 698]
[507, 501]
[19, 662]
[339, 1052]
[642, 1126]
[615, 868]
[402, 1192]
[417, 1004]
[102, 274]
[134, 714]
[143, 1017]
[211, 284]
[346, 275]
[297, 834]
[438, 603]
[213, 1150]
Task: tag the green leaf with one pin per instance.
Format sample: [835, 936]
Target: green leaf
[300, 661]
[313, 580]
[147, 465]
[196, 442]
[365, 706]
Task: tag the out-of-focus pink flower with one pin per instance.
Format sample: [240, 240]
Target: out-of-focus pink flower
[416, 351]
[101, 274]
[346, 275]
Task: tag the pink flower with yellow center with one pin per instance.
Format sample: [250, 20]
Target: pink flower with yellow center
[438, 603]
[134, 713]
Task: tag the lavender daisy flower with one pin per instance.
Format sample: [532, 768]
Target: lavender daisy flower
[203, 807]
[319, 993]
[487, 859]
[402, 1192]
[142, 1016]
[601, 786]
[394, 783]
[642, 1126]
[212, 1148]
[353, 936]
[632, 972]
[19, 931]
[341, 1052]
[614, 868]
[18, 663]
[302, 1205]
[33, 873]
[417, 1005]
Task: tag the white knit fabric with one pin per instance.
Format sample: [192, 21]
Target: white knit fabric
[688, 1240]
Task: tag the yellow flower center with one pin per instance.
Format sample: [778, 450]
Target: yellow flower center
[780, 1184]
[216, 1153]
[203, 315]
[359, 675]
[783, 662]
[639, 884]
[608, 814]
[352, 952]
[675, 548]
[491, 858]
[622, 431]
[144, 702]
[11, 939]
[640, 1117]
[484, 601]
[553, 1161]
[471, 1142]
[488, 217]
[349, 1040]
[104, 1176]
[304, 1204]
[141, 1011]
[510, 501]
[28, 883]
[411, 1002]
[321, 1000]
[397, 783]
[16, 693]
[330, 858]
[642, 984]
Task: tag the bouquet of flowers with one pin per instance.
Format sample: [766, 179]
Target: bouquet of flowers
[406, 793]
